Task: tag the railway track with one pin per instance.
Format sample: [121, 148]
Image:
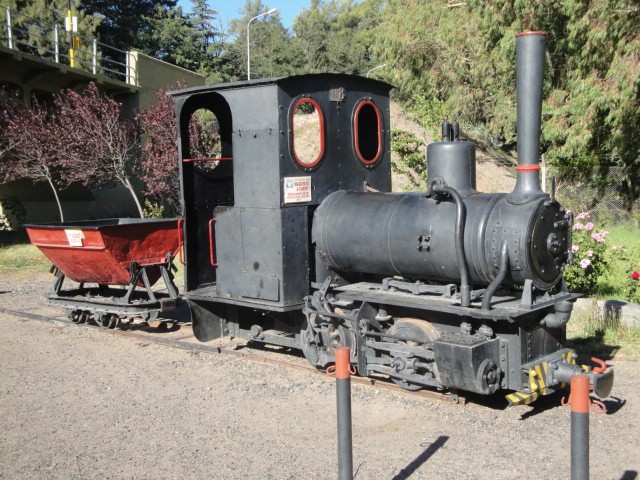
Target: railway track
[257, 353]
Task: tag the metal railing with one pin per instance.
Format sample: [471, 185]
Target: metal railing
[53, 42]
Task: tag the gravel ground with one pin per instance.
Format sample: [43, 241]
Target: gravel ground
[80, 403]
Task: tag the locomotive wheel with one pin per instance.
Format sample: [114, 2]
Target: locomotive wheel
[309, 345]
[421, 331]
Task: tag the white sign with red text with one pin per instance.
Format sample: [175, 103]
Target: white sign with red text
[297, 189]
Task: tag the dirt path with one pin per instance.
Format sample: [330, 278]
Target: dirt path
[78, 403]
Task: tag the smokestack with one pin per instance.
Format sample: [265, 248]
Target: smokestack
[530, 51]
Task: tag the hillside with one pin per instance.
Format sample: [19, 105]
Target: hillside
[492, 172]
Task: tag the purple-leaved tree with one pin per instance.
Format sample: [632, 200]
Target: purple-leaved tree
[31, 147]
[99, 147]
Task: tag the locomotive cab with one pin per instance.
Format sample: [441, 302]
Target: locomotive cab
[248, 212]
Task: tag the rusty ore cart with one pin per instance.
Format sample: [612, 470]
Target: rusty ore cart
[116, 262]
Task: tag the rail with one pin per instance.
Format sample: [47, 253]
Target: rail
[51, 41]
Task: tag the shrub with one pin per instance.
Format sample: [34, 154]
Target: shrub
[632, 286]
[589, 256]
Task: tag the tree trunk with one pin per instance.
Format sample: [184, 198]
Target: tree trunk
[127, 184]
[55, 194]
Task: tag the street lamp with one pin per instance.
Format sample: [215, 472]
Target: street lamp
[249, 23]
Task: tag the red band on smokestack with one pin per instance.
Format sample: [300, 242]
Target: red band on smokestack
[537, 32]
[527, 168]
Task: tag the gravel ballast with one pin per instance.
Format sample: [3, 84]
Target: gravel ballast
[80, 403]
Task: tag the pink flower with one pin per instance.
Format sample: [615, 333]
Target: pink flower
[614, 248]
[597, 237]
[604, 233]
[589, 253]
[575, 248]
[582, 216]
[584, 263]
[578, 227]
[635, 275]
[589, 226]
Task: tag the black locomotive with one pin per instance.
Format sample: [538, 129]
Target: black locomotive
[449, 288]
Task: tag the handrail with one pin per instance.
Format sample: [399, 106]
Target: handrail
[48, 40]
[212, 249]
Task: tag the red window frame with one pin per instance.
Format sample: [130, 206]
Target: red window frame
[316, 105]
[356, 133]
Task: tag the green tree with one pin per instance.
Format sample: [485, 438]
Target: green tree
[125, 24]
[172, 37]
[33, 23]
[458, 58]
[336, 35]
[272, 52]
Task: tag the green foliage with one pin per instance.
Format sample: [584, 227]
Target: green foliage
[336, 36]
[632, 286]
[411, 154]
[625, 271]
[12, 213]
[33, 26]
[271, 50]
[125, 24]
[23, 258]
[590, 259]
[462, 56]
[599, 332]
[155, 210]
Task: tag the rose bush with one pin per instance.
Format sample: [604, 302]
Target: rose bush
[589, 256]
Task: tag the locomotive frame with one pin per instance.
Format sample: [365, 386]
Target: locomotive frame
[449, 288]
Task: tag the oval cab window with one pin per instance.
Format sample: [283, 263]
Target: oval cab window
[307, 132]
[367, 132]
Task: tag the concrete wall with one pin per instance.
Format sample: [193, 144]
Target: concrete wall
[152, 75]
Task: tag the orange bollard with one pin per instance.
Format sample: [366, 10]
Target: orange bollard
[343, 404]
[580, 405]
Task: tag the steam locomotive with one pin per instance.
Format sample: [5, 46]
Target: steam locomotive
[449, 288]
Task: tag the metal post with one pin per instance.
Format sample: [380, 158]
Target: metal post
[343, 403]
[248, 51]
[56, 43]
[127, 78]
[9, 36]
[580, 405]
[95, 56]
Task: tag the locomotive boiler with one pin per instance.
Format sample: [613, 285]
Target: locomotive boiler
[449, 288]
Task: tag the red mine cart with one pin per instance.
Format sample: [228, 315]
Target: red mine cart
[121, 259]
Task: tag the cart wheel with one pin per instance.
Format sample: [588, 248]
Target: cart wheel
[76, 316]
[84, 317]
[108, 320]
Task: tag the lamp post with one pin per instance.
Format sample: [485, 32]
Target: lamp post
[248, 54]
